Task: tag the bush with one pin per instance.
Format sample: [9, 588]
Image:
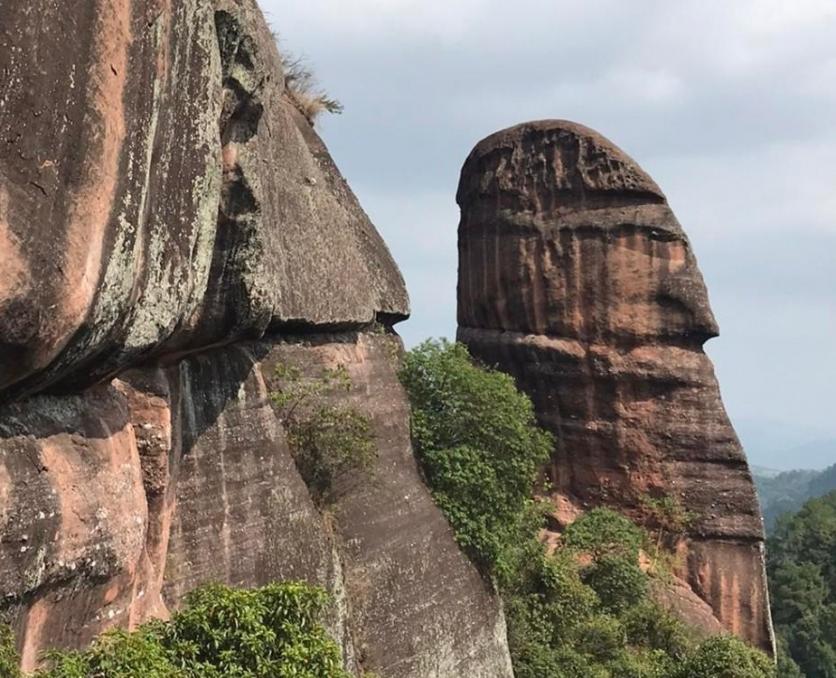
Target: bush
[618, 581]
[9, 661]
[327, 440]
[726, 657]
[648, 624]
[118, 654]
[601, 638]
[602, 531]
[478, 443]
[271, 632]
[584, 610]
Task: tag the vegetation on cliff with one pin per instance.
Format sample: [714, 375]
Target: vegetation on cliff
[801, 561]
[583, 610]
[477, 440]
[327, 440]
[274, 632]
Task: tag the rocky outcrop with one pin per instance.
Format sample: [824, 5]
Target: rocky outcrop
[158, 193]
[119, 501]
[576, 277]
[171, 227]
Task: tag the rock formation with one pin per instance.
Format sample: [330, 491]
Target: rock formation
[170, 228]
[576, 277]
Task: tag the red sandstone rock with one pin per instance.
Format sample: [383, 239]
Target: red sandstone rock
[170, 227]
[159, 192]
[576, 277]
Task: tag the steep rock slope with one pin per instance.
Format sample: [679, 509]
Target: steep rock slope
[171, 227]
[576, 277]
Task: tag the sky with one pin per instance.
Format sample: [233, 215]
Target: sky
[729, 105]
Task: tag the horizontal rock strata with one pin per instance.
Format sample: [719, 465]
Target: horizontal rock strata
[576, 277]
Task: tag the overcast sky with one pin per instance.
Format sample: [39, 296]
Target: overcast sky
[729, 105]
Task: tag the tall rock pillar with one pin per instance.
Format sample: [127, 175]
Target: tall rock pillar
[576, 277]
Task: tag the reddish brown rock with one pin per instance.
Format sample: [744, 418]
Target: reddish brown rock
[576, 277]
[159, 192]
[117, 502]
[170, 227]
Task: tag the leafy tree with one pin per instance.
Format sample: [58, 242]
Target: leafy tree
[476, 438]
[801, 589]
[801, 562]
[725, 657]
[602, 531]
[271, 632]
[583, 610]
[618, 581]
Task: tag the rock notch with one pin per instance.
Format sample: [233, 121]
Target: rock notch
[576, 278]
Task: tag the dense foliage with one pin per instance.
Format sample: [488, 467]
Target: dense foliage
[480, 449]
[274, 632]
[802, 574]
[9, 660]
[782, 493]
[585, 610]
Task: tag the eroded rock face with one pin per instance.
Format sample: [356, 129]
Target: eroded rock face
[120, 501]
[160, 193]
[170, 228]
[576, 277]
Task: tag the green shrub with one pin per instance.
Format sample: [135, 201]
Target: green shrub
[330, 442]
[648, 624]
[583, 611]
[478, 443]
[327, 440]
[601, 638]
[9, 660]
[117, 654]
[602, 531]
[726, 657]
[271, 632]
[618, 581]
[642, 664]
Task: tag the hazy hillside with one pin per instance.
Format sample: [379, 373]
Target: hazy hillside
[802, 576]
[786, 492]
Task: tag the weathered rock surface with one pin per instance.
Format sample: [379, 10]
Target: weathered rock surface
[576, 277]
[118, 502]
[170, 228]
[160, 193]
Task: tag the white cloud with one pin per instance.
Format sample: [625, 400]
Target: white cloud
[730, 106]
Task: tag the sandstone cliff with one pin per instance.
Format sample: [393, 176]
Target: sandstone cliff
[576, 277]
[171, 227]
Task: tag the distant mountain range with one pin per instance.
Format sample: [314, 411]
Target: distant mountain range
[783, 492]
